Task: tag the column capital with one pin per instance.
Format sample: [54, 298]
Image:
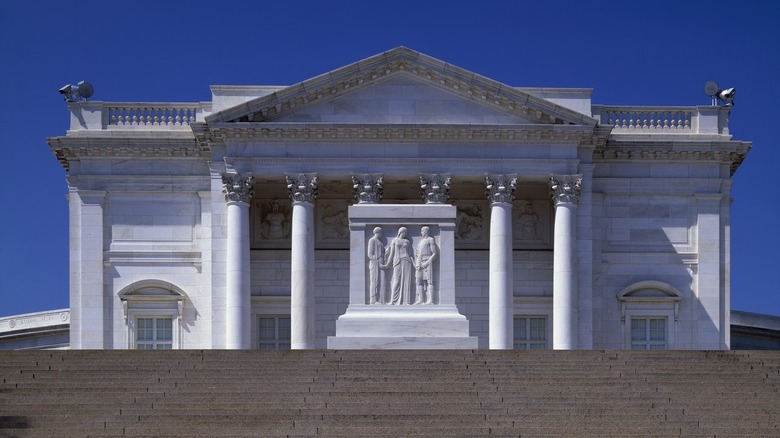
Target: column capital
[565, 188]
[368, 187]
[500, 188]
[435, 188]
[237, 188]
[303, 186]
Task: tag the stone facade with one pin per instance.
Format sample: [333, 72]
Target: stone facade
[239, 222]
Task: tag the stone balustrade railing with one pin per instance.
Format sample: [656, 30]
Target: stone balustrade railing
[149, 115]
[664, 120]
[92, 115]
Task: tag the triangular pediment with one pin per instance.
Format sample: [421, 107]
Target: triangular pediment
[380, 89]
[402, 98]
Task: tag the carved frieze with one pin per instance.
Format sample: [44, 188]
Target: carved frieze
[368, 188]
[303, 187]
[237, 188]
[565, 188]
[500, 188]
[435, 188]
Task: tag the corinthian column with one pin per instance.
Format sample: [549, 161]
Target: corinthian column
[435, 188]
[368, 187]
[500, 193]
[238, 192]
[565, 192]
[303, 192]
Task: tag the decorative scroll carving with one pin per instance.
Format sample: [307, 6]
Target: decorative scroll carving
[368, 188]
[237, 188]
[500, 188]
[565, 188]
[435, 188]
[303, 187]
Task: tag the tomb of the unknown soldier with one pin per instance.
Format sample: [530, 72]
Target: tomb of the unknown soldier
[405, 225]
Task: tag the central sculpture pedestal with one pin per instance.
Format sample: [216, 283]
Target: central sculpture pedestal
[404, 296]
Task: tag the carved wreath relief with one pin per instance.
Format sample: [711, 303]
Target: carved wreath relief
[404, 265]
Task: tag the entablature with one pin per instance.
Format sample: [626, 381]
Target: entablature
[70, 148]
[728, 152]
[261, 132]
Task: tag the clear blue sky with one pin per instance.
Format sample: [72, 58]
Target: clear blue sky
[630, 53]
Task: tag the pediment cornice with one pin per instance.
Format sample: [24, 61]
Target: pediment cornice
[401, 61]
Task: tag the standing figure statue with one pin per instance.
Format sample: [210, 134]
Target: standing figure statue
[376, 258]
[400, 257]
[426, 254]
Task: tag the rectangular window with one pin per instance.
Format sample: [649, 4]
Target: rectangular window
[154, 333]
[648, 334]
[530, 333]
[274, 333]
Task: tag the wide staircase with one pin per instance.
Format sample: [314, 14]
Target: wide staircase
[389, 393]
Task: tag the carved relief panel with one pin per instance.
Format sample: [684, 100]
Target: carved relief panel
[271, 223]
[332, 223]
[402, 264]
[472, 224]
[532, 224]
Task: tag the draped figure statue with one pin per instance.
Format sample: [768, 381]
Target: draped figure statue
[400, 257]
[376, 258]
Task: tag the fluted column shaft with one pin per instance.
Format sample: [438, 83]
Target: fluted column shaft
[500, 192]
[238, 193]
[565, 191]
[303, 192]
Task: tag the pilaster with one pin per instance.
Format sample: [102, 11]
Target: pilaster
[87, 300]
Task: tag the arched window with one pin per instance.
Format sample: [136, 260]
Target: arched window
[648, 310]
[152, 310]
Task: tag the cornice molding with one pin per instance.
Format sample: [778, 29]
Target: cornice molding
[732, 153]
[67, 149]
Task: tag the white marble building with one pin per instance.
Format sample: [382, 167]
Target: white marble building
[246, 221]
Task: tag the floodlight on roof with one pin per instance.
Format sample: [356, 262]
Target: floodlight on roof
[81, 91]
